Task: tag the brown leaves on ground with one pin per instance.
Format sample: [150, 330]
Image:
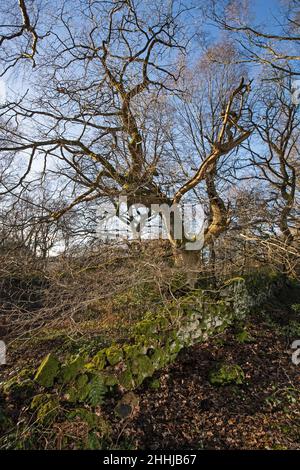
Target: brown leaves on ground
[187, 412]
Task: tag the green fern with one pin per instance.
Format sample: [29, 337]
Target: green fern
[97, 391]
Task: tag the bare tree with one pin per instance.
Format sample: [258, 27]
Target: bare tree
[275, 45]
[19, 32]
[199, 123]
[87, 114]
[276, 155]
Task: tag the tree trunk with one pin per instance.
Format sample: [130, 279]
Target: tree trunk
[189, 262]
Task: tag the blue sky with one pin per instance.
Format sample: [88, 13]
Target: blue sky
[266, 10]
[264, 6]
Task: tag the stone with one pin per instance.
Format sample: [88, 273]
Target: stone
[19, 390]
[47, 371]
[99, 360]
[79, 390]
[127, 406]
[142, 366]
[114, 355]
[71, 369]
[126, 380]
[109, 378]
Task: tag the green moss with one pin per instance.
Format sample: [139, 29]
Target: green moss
[147, 327]
[155, 384]
[46, 407]
[20, 386]
[39, 400]
[152, 325]
[99, 360]
[155, 342]
[114, 355]
[159, 358]
[47, 371]
[18, 389]
[227, 374]
[109, 378]
[5, 422]
[71, 369]
[132, 351]
[85, 388]
[243, 336]
[142, 367]
[79, 390]
[125, 379]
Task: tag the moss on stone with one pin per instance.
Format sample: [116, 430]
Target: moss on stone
[109, 378]
[88, 388]
[47, 371]
[125, 379]
[18, 389]
[147, 327]
[20, 385]
[128, 404]
[142, 367]
[132, 350]
[114, 354]
[71, 369]
[98, 361]
[154, 343]
[159, 358]
[79, 390]
[152, 325]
